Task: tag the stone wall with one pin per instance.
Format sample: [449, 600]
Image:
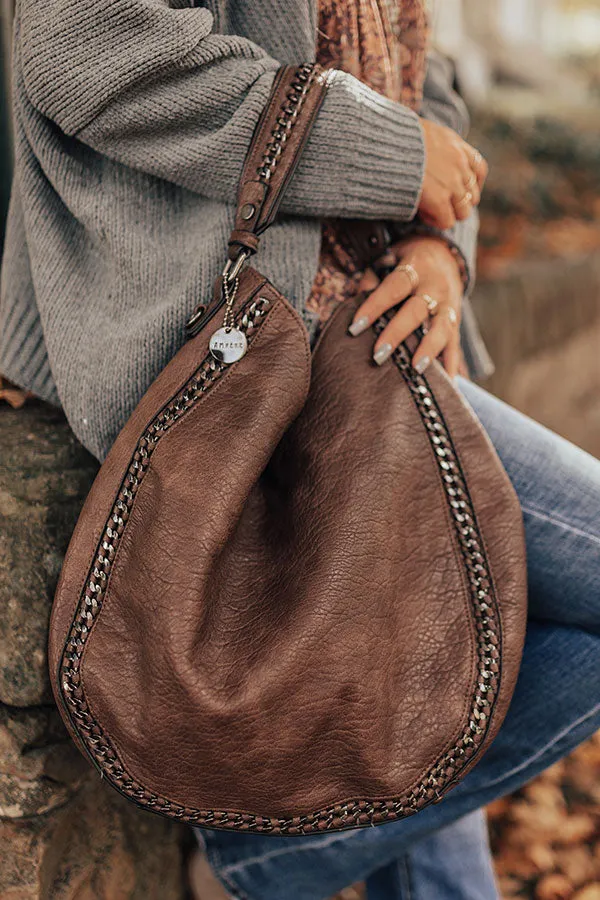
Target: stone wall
[63, 833]
[541, 323]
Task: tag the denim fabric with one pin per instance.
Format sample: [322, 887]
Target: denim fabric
[441, 853]
[452, 863]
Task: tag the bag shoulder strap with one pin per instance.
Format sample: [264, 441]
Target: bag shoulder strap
[279, 138]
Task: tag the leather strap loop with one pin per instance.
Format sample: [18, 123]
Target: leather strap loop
[242, 240]
[279, 138]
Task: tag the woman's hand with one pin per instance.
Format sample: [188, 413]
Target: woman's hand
[429, 282]
[455, 173]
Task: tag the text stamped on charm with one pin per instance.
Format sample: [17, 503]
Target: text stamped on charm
[228, 345]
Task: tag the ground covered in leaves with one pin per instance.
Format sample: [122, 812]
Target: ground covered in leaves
[542, 196]
[546, 838]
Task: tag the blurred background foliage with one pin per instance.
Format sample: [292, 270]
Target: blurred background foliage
[530, 71]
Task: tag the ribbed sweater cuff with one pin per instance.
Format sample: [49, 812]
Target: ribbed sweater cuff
[366, 153]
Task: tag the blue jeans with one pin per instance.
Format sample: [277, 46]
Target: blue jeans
[442, 852]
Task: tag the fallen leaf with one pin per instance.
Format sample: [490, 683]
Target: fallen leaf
[576, 829]
[576, 863]
[509, 887]
[499, 807]
[544, 792]
[12, 395]
[554, 887]
[590, 892]
[548, 822]
[541, 856]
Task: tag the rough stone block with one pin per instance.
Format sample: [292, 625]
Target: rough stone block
[45, 475]
[64, 834]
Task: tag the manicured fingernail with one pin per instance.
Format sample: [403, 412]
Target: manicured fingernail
[384, 352]
[359, 326]
[422, 365]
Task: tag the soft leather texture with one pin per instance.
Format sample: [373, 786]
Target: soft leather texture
[268, 618]
[287, 624]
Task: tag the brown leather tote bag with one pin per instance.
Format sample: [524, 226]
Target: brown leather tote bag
[295, 598]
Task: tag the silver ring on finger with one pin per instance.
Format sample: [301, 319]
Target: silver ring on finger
[411, 273]
[466, 200]
[452, 317]
[432, 305]
[471, 183]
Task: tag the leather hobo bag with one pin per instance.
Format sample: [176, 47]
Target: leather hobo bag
[295, 598]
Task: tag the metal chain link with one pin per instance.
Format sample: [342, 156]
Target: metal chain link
[229, 294]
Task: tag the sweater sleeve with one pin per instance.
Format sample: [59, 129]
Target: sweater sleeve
[443, 105]
[152, 85]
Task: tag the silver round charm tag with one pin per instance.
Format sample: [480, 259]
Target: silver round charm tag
[228, 345]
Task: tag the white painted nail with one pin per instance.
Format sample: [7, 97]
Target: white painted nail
[422, 364]
[359, 326]
[384, 352]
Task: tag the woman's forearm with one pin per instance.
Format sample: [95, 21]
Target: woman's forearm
[156, 89]
[443, 105]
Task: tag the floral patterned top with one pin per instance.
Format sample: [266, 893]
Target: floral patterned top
[384, 44]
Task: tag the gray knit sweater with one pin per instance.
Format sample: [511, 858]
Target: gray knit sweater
[132, 119]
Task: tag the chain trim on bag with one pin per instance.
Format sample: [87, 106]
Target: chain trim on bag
[290, 110]
[356, 813]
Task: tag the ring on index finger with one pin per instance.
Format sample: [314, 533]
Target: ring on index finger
[411, 273]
